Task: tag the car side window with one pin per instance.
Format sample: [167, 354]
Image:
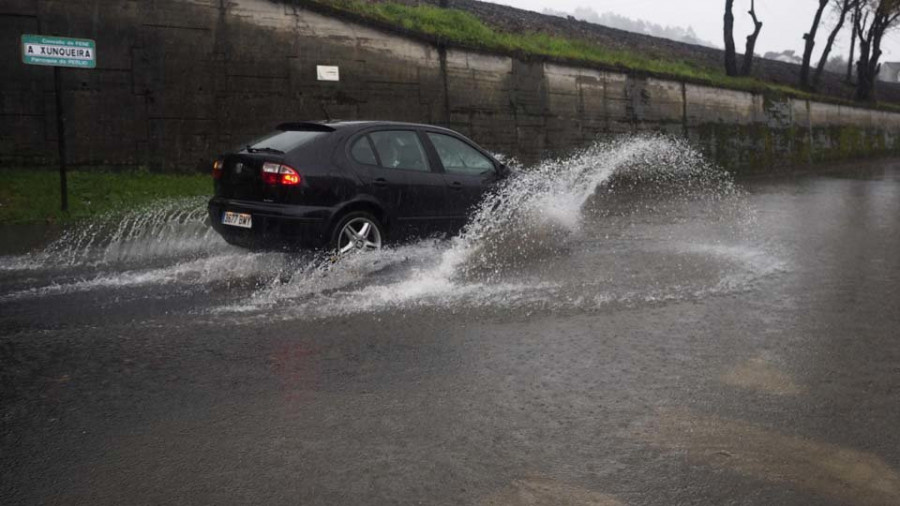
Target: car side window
[458, 157]
[400, 149]
[362, 151]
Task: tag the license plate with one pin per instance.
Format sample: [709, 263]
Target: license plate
[242, 220]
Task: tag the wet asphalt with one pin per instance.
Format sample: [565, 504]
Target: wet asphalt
[686, 352]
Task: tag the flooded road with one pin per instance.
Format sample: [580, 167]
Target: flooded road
[627, 326]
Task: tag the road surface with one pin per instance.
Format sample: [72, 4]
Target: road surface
[733, 345]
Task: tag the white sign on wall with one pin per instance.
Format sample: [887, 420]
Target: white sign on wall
[328, 73]
[59, 51]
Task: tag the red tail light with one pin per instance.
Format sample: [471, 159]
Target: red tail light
[277, 174]
[217, 169]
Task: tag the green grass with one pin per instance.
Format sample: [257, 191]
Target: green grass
[456, 26]
[32, 196]
[464, 28]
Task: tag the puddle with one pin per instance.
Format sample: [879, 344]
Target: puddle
[836, 472]
[541, 491]
[762, 375]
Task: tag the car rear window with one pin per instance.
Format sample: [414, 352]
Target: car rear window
[362, 152]
[285, 141]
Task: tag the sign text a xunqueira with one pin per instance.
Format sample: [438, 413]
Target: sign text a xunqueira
[59, 51]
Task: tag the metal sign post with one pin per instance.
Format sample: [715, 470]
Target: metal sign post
[59, 52]
[61, 139]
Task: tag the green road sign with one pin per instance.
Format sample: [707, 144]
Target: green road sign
[59, 51]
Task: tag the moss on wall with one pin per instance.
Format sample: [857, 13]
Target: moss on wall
[171, 99]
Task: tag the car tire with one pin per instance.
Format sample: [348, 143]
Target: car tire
[356, 232]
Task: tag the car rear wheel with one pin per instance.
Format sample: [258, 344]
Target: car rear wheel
[357, 232]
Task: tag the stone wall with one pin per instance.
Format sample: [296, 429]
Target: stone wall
[179, 81]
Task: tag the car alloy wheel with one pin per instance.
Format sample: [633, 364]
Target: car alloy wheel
[359, 234]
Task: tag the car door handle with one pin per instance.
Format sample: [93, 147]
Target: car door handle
[380, 182]
[456, 185]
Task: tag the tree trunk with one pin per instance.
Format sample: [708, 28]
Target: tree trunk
[810, 38]
[845, 8]
[874, 66]
[852, 43]
[863, 86]
[883, 17]
[730, 56]
[751, 41]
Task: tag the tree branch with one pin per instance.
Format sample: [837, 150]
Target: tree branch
[846, 7]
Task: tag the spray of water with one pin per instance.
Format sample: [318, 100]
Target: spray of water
[558, 234]
[537, 213]
[165, 229]
[515, 237]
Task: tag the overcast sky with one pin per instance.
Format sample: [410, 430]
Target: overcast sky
[785, 21]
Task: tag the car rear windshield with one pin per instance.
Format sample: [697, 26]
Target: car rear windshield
[284, 140]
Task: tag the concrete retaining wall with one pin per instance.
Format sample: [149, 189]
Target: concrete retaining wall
[179, 81]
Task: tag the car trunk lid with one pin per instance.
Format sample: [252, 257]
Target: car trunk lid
[242, 178]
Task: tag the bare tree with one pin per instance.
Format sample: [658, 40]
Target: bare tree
[879, 16]
[857, 12]
[730, 56]
[751, 40]
[810, 38]
[842, 7]
[730, 50]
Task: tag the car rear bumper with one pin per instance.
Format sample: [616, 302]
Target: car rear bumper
[273, 224]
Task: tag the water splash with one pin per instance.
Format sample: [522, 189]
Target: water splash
[540, 210]
[506, 253]
[199, 272]
[606, 225]
[169, 228]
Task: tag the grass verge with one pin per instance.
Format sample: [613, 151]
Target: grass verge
[456, 26]
[32, 196]
[465, 28]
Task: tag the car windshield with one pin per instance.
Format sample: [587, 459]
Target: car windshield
[283, 140]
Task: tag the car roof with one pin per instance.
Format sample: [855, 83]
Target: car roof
[333, 125]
